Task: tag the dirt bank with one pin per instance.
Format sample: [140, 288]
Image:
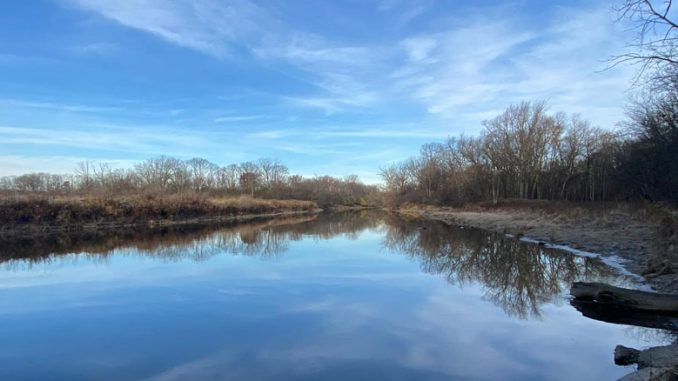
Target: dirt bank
[38, 216]
[643, 237]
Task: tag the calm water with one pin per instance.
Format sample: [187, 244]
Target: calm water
[356, 296]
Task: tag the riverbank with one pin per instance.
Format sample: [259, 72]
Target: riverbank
[644, 237]
[44, 216]
[162, 240]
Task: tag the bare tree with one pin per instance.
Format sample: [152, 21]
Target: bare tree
[266, 178]
[250, 177]
[226, 178]
[84, 173]
[163, 174]
[273, 174]
[655, 47]
[202, 173]
[528, 153]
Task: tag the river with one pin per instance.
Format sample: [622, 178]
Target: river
[346, 296]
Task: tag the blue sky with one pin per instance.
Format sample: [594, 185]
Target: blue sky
[328, 87]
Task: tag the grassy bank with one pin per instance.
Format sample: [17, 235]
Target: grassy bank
[645, 235]
[21, 215]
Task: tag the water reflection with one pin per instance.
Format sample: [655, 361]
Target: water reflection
[516, 276]
[197, 242]
[262, 237]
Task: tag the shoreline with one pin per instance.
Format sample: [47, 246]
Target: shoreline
[36, 216]
[620, 239]
[33, 230]
[627, 239]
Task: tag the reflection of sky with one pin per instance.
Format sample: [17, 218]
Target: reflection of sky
[333, 309]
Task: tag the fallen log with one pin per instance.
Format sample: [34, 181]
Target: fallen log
[605, 294]
[623, 315]
[647, 309]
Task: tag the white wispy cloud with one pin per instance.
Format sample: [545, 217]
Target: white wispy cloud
[404, 11]
[149, 140]
[211, 27]
[57, 106]
[419, 49]
[412, 132]
[489, 63]
[462, 66]
[335, 104]
[340, 72]
[20, 164]
[221, 28]
[97, 48]
[357, 131]
[238, 118]
[434, 73]
[456, 68]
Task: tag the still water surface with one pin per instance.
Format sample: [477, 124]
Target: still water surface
[352, 296]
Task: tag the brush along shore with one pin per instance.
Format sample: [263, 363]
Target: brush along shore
[32, 216]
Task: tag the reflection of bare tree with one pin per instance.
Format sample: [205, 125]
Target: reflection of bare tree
[347, 224]
[195, 242]
[517, 276]
[262, 237]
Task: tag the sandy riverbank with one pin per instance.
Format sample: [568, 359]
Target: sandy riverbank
[643, 237]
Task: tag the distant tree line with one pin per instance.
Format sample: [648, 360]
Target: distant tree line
[265, 178]
[527, 153]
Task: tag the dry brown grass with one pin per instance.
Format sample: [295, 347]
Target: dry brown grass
[606, 214]
[66, 211]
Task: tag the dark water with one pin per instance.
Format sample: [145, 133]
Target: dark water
[356, 296]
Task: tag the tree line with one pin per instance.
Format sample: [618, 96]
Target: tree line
[528, 153]
[164, 175]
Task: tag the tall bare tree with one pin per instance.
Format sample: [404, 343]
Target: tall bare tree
[655, 46]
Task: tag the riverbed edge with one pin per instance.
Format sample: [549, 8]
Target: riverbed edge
[598, 242]
[33, 230]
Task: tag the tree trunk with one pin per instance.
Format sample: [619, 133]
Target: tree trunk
[606, 295]
[623, 315]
